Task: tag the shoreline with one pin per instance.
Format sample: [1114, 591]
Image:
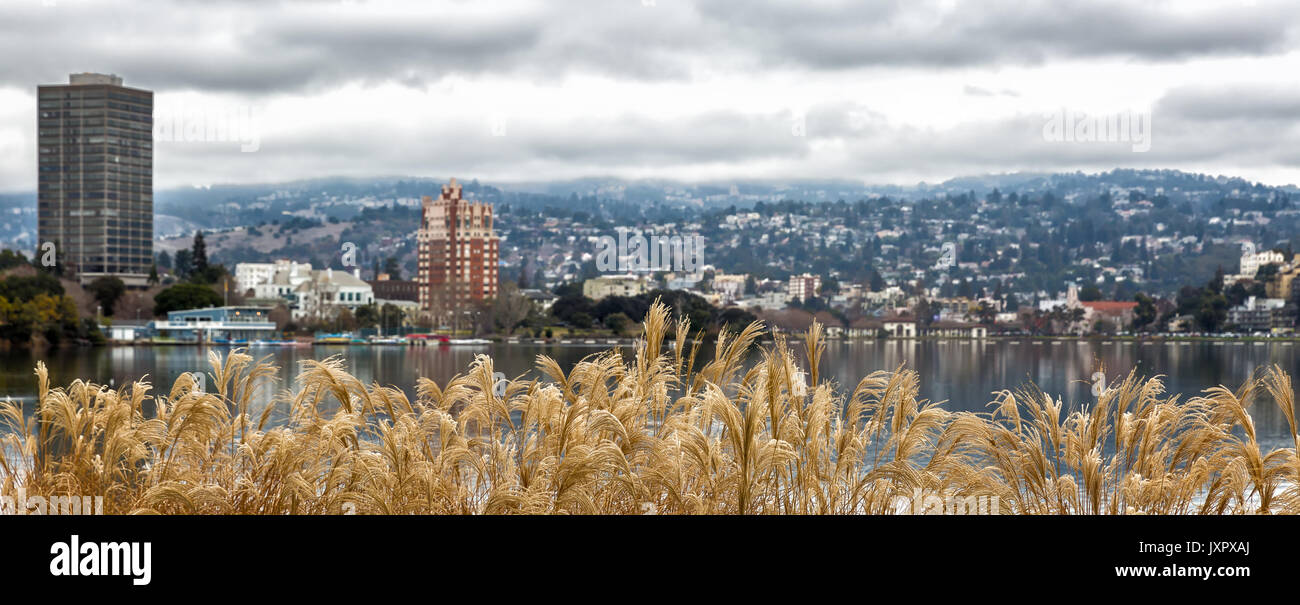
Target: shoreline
[626, 342]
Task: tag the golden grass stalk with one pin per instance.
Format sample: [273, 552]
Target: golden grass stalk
[742, 434]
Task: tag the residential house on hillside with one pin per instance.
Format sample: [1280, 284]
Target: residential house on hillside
[279, 285]
[248, 276]
[615, 285]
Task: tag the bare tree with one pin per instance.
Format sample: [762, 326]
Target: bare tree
[510, 307]
[281, 316]
[229, 290]
[134, 305]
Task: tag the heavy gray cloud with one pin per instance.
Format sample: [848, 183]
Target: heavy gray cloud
[909, 32]
[889, 91]
[283, 46]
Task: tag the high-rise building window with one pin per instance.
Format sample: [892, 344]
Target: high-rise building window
[457, 249]
[83, 181]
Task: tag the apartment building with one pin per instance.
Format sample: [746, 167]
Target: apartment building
[458, 251]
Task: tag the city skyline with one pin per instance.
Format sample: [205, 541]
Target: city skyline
[704, 91]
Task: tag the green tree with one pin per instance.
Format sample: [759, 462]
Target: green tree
[617, 323]
[185, 296]
[200, 253]
[580, 320]
[390, 318]
[107, 290]
[10, 259]
[1212, 313]
[1266, 272]
[877, 282]
[392, 268]
[1216, 284]
[184, 264]
[26, 287]
[368, 316]
[1145, 313]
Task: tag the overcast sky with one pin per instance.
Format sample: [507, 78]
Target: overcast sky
[880, 92]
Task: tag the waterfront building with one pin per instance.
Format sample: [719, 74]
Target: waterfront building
[215, 325]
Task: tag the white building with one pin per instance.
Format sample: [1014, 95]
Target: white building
[802, 287]
[1255, 314]
[250, 275]
[283, 282]
[900, 327]
[729, 287]
[327, 292]
[888, 295]
[614, 285]
[1250, 263]
[541, 298]
[770, 301]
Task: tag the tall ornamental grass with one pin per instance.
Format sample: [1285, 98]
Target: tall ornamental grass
[742, 434]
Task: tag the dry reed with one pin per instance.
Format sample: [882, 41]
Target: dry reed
[650, 434]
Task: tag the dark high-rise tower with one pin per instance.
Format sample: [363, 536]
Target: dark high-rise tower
[95, 177]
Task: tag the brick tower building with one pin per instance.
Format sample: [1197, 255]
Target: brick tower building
[458, 252]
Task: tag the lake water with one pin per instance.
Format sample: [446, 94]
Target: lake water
[963, 373]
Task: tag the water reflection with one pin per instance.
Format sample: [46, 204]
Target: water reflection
[963, 373]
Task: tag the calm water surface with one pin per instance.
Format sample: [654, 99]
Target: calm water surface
[963, 373]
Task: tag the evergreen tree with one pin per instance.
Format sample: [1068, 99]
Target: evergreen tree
[184, 264]
[200, 254]
[391, 267]
[877, 282]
